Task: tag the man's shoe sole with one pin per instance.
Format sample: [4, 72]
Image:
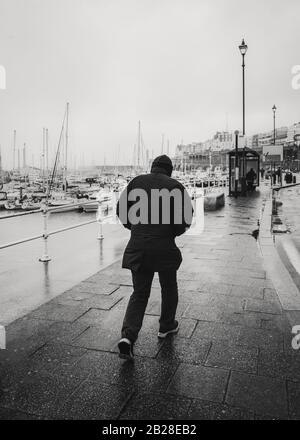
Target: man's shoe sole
[125, 350]
[164, 335]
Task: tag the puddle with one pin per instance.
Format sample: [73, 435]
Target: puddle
[253, 234]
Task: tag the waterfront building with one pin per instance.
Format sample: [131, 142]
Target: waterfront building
[201, 155]
[292, 131]
[212, 152]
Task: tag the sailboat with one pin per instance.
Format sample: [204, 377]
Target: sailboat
[61, 199]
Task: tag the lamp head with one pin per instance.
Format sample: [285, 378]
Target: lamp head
[243, 47]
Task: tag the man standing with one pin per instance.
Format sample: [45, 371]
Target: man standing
[279, 175]
[250, 178]
[156, 209]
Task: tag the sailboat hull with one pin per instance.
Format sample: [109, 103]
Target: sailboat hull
[63, 206]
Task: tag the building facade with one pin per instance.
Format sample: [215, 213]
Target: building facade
[213, 152]
[200, 155]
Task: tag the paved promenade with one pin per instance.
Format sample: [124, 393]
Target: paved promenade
[232, 357]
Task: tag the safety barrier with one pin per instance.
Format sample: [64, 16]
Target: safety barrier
[46, 210]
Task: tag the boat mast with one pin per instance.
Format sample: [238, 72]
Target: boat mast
[0, 164]
[14, 149]
[117, 162]
[47, 162]
[47, 154]
[139, 145]
[24, 163]
[162, 143]
[57, 156]
[43, 160]
[24, 156]
[66, 147]
[134, 158]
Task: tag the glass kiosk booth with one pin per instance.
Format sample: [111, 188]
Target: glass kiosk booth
[248, 170]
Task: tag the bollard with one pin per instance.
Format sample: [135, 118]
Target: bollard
[100, 232]
[194, 197]
[2, 338]
[274, 204]
[45, 258]
[99, 220]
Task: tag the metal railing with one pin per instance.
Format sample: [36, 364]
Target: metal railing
[211, 181]
[46, 210]
[208, 185]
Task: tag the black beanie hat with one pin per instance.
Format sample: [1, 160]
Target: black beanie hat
[163, 162]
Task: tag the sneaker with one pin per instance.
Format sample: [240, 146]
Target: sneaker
[125, 348]
[173, 330]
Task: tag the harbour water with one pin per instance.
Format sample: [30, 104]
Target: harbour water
[75, 254]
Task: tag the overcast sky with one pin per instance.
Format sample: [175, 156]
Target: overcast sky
[173, 64]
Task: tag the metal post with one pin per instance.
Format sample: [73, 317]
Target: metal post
[243, 49]
[274, 203]
[274, 128]
[236, 164]
[2, 338]
[45, 258]
[194, 202]
[100, 233]
[243, 66]
[99, 220]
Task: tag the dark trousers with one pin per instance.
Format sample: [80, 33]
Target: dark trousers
[138, 301]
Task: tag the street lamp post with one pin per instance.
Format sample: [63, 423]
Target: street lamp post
[297, 142]
[236, 167]
[243, 49]
[274, 108]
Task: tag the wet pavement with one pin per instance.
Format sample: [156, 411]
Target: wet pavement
[231, 359]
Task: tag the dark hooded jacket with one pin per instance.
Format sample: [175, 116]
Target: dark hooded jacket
[152, 246]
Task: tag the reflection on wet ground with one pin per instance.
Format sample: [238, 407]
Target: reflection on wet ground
[26, 283]
[288, 245]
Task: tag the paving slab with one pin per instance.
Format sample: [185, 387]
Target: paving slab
[283, 365]
[202, 410]
[53, 311]
[94, 401]
[40, 394]
[294, 399]
[187, 327]
[10, 414]
[183, 350]
[102, 287]
[264, 306]
[89, 301]
[258, 393]
[152, 406]
[196, 381]
[98, 338]
[215, 331]
[151, 375]
[261, 338]
[232, 357]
